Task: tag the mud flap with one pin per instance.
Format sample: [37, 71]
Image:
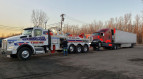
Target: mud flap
[54, 47]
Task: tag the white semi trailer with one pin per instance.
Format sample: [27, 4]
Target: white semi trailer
[37, 40]
[126, 39]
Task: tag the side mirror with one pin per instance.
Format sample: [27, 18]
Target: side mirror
[102, 34]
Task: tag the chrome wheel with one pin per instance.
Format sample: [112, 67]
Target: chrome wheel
[85, 48]
[115, 47]
[99, 44]
[79, 49]
[71, 49]
[25, 54]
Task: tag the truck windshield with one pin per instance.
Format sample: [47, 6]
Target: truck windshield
[95, 34]
[27, 32]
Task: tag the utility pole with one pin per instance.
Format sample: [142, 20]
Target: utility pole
[62, 20]
[45, 24]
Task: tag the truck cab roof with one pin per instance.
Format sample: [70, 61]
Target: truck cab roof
[103, 30]
[28, 28]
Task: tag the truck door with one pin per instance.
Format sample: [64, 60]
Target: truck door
[38, 38]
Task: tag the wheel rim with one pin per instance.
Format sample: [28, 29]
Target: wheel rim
[79, 49]
[115, 47]
[99, 44]
[85, 48]
[71, 48]
[25, 54]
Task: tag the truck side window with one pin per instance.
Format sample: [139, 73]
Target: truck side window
[37, 32]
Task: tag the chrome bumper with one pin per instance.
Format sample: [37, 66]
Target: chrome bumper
[4, 52]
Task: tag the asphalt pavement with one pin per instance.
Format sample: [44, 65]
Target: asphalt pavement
[125, 63]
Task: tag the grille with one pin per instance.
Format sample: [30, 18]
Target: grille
[4, 44]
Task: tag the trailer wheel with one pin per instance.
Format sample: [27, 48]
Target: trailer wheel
[71, 48]
[79, 49]
[85, 48]
[115, 47]
[24, 53]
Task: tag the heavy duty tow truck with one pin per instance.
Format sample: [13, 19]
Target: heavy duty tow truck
[36, 40]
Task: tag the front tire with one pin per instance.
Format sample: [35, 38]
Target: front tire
[24, 53]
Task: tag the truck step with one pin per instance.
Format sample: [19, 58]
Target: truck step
[39, 48]
[40, 52]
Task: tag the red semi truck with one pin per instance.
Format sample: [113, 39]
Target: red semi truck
[112, 39]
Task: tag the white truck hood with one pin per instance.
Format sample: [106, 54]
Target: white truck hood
[14, 38]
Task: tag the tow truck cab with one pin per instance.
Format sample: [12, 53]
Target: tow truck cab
[33, 40]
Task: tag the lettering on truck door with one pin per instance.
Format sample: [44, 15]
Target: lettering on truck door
[38, 38]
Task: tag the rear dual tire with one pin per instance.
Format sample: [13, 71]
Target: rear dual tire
[115, 47]
[78, 49]
[85, 48]
[71, 49]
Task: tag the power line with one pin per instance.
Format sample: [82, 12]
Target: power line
[76, 20]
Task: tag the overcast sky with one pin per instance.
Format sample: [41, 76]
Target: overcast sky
[18, 12]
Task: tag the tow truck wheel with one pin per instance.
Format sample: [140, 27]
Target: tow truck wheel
[71, 48]
[24, 53]
[79, 49]
[85, 48]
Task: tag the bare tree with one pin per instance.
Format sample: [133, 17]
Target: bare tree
[39, 18]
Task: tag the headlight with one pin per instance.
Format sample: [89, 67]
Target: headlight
[11, 47]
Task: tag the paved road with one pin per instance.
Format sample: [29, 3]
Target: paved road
[126, 63]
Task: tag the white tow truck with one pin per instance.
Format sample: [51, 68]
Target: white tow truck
[36, 40]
